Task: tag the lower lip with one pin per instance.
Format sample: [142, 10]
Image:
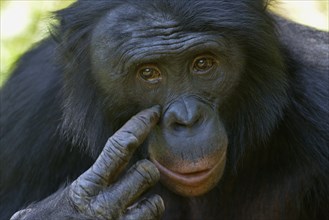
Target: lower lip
[193, 179]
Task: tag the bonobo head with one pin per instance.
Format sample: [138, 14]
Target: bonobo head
[142, 58]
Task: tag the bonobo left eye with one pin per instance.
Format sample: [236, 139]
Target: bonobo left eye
[149, 73]
[203, 64]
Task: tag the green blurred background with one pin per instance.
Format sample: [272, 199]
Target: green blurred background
[25, 22]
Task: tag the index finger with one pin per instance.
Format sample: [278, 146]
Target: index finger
[116, 153]
[121, 146]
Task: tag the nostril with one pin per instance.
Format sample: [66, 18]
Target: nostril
[184, 114]
[179, 126]
[183, 125]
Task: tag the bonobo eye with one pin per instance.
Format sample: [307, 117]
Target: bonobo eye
[149, 73]
[203, 64]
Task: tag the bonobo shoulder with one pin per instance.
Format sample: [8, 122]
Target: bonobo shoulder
[307, 45]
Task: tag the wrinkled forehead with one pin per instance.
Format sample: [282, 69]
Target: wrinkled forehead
[129, 21]
[131, 35]
[130, 32]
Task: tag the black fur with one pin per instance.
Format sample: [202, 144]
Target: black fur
[55, 121]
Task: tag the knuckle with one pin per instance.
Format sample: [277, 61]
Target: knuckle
[76, 195]
[142, 119]
[155, 205]
[98, 207]
[145, 119]
[159, 203]
[151, 114]
[124, 139]
[131, 138]
[148, 171]
[116, 149]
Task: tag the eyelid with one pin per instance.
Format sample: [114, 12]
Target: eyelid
[203, 56]
[142, 67]
[206, 55]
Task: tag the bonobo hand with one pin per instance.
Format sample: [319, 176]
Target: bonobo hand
[98, 194]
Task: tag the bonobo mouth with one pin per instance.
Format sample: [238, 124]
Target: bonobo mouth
[192, 183]
[190, 179]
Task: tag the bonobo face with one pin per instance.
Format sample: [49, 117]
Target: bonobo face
[141, 59]
[189, 146]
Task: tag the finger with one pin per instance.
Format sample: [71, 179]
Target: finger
[149, 208]
[121, 146]
[115, 155]
[127, 190]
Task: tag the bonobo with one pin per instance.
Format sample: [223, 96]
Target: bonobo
[211, 114]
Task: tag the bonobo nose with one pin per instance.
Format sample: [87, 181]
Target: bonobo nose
[184, 115]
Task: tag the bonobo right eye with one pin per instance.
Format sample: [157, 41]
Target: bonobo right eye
[203, 64]
[149, 73]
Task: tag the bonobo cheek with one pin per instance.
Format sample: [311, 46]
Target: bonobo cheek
[190, 163]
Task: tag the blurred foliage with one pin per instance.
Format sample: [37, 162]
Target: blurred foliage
[314, 13]
[25, 22]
